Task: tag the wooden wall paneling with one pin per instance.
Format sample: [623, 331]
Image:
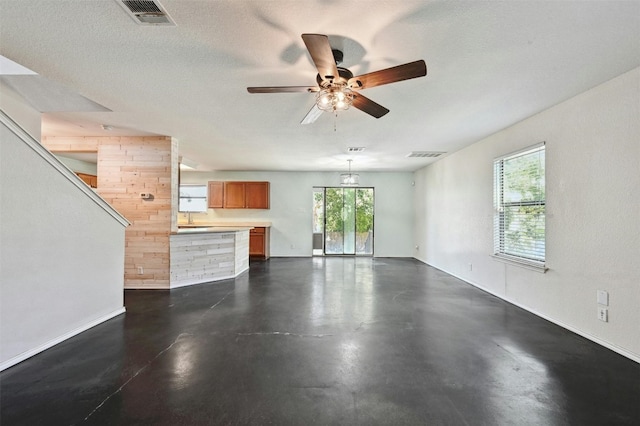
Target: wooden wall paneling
[70, 143]
[141, 165]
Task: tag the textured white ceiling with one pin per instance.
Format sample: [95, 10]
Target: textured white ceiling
[490, 65]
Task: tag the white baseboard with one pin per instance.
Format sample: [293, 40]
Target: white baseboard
[617, 349]
[28, 354]
[199, 281]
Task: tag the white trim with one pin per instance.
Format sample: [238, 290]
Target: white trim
[60, 167]
[538, 267]
[617, 349]
[31, 352]
[521, 151]
[186, 283]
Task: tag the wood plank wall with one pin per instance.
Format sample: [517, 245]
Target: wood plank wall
[127, 167]
[70, 144]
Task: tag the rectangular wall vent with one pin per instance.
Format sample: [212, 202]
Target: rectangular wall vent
[355, 149]
[146, 12]
[425, 154]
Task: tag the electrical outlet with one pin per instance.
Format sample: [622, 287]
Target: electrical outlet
[603, 314]
[140, 270]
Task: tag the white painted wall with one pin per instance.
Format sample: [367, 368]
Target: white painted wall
[291, 203]
[14, 105]
[79, 166]
[61, 253]
[593, 214]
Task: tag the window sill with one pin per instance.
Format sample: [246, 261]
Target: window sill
[541, 268]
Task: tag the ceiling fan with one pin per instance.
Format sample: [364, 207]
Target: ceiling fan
[337, 88]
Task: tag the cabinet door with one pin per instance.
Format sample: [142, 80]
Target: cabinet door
[234, 195]
[90, 180]
[216, 192]
[256, 242]
[257, 195]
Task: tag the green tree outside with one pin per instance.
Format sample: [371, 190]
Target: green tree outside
[348, 211]
[524, 204]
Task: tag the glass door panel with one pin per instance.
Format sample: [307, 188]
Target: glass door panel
[364, 221]
[334, 221]
[346, 222]
[349, 221]
[318, 221]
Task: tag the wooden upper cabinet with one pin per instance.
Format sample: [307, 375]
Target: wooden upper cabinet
[238, 195]
[257, 195]
[234, 195]
[216, 195]
[91, 180]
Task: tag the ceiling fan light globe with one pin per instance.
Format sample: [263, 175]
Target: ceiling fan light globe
[325, 100]
[334, 98]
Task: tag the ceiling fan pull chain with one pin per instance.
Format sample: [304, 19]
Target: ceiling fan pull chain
[335, 121]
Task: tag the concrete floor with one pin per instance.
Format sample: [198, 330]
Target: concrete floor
[324, 341]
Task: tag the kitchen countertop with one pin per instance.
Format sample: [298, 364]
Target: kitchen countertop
[242, 224]
[203, 229]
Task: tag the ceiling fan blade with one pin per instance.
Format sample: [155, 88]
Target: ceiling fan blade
[389, 75]
[312, 115]
[367, 105]
[283, 89]
[320, 51]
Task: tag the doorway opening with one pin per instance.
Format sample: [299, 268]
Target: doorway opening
[343, 221]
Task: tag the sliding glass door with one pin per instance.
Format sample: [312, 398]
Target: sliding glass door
[343, 221]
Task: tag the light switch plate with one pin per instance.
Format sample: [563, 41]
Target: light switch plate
[603, 298]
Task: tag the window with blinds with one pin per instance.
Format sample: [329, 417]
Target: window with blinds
[192, 198]
[519, 200]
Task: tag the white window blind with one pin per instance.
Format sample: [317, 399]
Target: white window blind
[519, 200]
[193, 198]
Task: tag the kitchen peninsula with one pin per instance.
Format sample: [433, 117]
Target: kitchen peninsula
[204, 254]
[259, 235]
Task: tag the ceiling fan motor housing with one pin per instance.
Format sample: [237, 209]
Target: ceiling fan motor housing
[338, 56]
[343, 77]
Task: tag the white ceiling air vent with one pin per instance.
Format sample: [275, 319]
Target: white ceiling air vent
[355, 149]
[146, 12]
[425, 154]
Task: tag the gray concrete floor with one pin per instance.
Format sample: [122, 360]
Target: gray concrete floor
[348, 341]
